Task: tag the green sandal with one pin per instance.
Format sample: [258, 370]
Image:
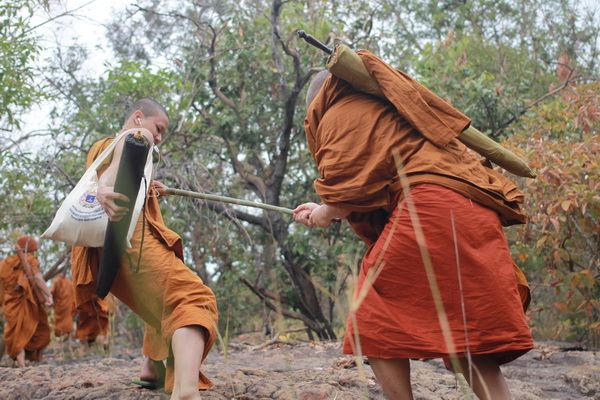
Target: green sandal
[150, 385]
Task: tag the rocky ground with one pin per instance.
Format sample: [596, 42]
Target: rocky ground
[293, 370]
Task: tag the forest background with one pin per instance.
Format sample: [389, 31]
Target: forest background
[233, 76]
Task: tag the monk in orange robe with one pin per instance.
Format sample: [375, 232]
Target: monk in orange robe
[163, 291]
[26, 329]
[63, 294]
[92, 312]
[92, 320]
[461, 205]
[1, 312]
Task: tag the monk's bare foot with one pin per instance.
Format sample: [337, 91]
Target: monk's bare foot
[21, 359]
[83, 348]
[152, 371]
[188, 395]
[102, 343]
[147, 373]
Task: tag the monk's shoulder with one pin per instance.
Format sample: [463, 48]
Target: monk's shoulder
[97, 148]
[34, 262]
[9, 264]
[357, 107]
[352, 117]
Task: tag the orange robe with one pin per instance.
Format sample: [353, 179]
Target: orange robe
[352, 137]
[92, 320]
[26, 321]
[164, 292]
[92, 312]
[63, 295]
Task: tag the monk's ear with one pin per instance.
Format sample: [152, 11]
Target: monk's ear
[138, 116]
[315, 85]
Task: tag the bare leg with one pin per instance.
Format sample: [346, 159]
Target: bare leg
[394, 377]
[70, 344]
[488, 381]
[102, 342]
[21, 359]
[188, 347]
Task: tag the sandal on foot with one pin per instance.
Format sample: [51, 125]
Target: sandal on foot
[150, 385]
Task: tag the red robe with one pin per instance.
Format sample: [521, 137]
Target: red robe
[353, 138]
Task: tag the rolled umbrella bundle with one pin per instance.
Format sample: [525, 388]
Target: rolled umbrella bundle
[345, 64]
[128, 181]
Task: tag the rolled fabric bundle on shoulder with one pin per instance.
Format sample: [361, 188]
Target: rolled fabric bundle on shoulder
[128, 181]
[345, 64]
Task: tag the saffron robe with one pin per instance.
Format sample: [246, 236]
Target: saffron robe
[353, 137]
[26, 321]
[63, 295]
[164, 292]
[92, 319]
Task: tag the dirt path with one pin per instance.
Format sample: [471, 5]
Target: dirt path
[299, 371]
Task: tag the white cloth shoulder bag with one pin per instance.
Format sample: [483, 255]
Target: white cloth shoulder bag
[80, 220]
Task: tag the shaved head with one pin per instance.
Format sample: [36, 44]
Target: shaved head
[315, 85]
[148, 106]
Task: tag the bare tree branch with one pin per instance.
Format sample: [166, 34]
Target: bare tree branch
[71, 181]
[59, 266]
[212, 79]
[234, 215]
[66, 13]
[276, 53]
[570, 79]
[243, 171]
[288, 313]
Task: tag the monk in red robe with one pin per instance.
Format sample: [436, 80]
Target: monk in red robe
[63, 294]
[163, 291]
[26, 329]
[461, 205]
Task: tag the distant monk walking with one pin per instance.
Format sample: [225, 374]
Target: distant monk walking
[26, 330]
[63, 294]
[461, 206]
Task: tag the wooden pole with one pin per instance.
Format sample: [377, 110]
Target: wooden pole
[224, 199]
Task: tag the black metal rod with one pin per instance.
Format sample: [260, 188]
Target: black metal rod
[314, 41]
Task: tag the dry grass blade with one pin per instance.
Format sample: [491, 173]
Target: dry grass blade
[462, 300]
[358, 298]
[428, 265]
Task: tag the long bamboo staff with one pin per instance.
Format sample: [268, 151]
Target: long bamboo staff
[38, 285]
[224, 199]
